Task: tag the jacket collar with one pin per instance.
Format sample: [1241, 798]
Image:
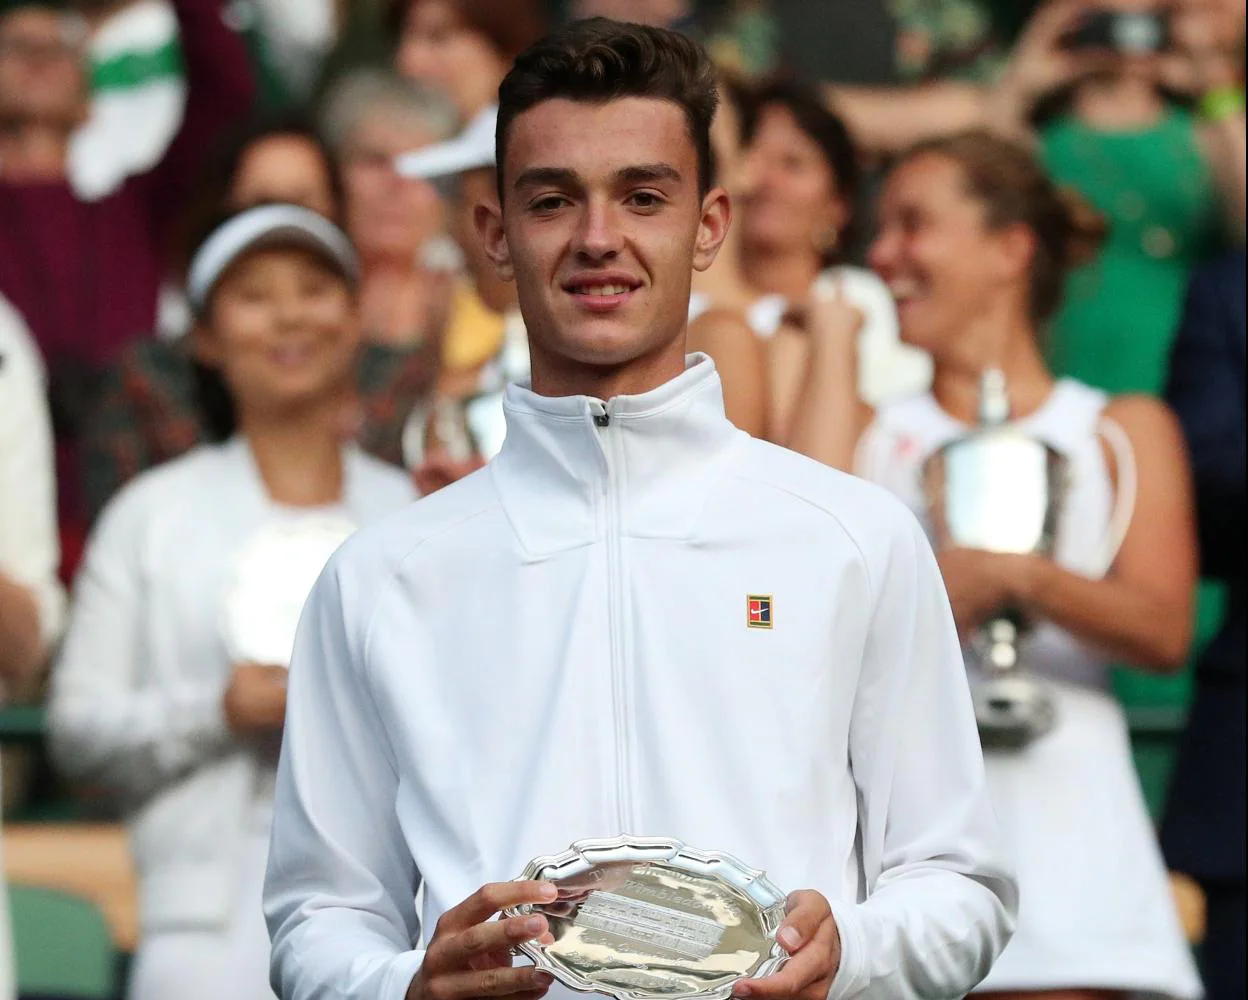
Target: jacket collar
[572, 467]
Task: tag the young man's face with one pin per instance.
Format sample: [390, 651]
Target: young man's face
[602, 226]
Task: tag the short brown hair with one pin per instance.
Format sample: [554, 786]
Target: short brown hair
[1015, 189]
[600, 60]
[510, 25]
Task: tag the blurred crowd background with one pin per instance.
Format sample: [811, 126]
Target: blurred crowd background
[128, 128]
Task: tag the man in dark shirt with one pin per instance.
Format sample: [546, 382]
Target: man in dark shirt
[85, 274]
[1204, 829]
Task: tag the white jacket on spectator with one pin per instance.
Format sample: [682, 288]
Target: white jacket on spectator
[559, 647]
[30, 551]
[136, 701]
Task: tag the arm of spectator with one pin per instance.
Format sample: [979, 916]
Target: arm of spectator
[1206, 390]
[113, 721]
[886, 120]
[1141, 611]
[829, 416]
[740, 358]
[340, 893]
[940, 903]
[220, 89]
[1223, 142]
[32, 602]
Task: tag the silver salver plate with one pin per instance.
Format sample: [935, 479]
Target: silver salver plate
[645, 917]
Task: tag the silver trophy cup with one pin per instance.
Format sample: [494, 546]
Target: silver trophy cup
[998, 489]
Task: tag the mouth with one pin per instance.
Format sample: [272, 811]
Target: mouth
[601, 293]
[905, 291]
[291, 355]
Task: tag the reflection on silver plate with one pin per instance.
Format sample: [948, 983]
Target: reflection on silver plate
[639, 918]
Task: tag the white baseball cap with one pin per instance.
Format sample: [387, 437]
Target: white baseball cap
[472, 149]
[267, 226]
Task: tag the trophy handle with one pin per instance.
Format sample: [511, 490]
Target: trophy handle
[1124, 496]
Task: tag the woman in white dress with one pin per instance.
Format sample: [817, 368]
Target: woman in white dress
[974, 244]
[169, 692]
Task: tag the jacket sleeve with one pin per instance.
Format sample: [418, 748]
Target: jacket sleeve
[340, 893]
[940, 903]
[1206, 390]
[111, 722]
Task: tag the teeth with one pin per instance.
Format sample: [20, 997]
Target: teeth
[903, 288]
[602, 290]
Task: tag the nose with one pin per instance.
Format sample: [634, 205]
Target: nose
[598, 237]
[883, 252]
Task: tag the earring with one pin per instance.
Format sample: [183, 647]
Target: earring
[827, 239]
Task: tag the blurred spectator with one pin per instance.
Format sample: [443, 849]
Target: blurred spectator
[396, 224]
[1140, 159]
[470, 387]
[975, 244]
[1204, 830]
[795, 218]
[170, 690]
[464, 47]
[86, 274]
[1122, 140]
[298, 36]
[148, 410]
[31, 599]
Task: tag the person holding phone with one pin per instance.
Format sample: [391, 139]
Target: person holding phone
[1133, 104]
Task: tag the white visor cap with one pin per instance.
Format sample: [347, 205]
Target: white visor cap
[472, 149]
[267, 226]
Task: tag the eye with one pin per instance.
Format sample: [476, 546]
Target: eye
[646, 200]
[548, 203]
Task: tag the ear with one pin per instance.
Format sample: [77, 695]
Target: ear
[712, 228]
[487, 218]
[1016, 248]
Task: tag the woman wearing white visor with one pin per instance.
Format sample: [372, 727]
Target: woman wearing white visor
[170, 690]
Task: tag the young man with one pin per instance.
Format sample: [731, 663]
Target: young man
[637, 620]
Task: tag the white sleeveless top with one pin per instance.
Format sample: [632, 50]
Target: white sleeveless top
[908, 432]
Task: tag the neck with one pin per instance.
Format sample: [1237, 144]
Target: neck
[557, 376]
[1010, 344]
[784, 272]
[32, 150]
[1118, 103]
[299, 455]
[396, 300]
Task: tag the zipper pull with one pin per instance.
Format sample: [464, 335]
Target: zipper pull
[602, 420]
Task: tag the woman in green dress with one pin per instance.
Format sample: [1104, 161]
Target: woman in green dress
[1163, 171]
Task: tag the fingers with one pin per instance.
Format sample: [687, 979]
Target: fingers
[492, 898]
[804, 912]
[458, 949]
[523, 980]
[815, 962]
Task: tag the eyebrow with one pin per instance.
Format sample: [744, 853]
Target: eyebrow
[565, 177]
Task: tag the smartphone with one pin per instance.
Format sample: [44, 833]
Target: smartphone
[1121, 31]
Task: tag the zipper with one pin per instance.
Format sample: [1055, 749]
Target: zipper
[609, 440]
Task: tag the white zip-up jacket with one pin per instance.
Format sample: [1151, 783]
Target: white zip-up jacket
[560, 647]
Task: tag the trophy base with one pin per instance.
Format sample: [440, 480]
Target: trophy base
[1011, 712]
